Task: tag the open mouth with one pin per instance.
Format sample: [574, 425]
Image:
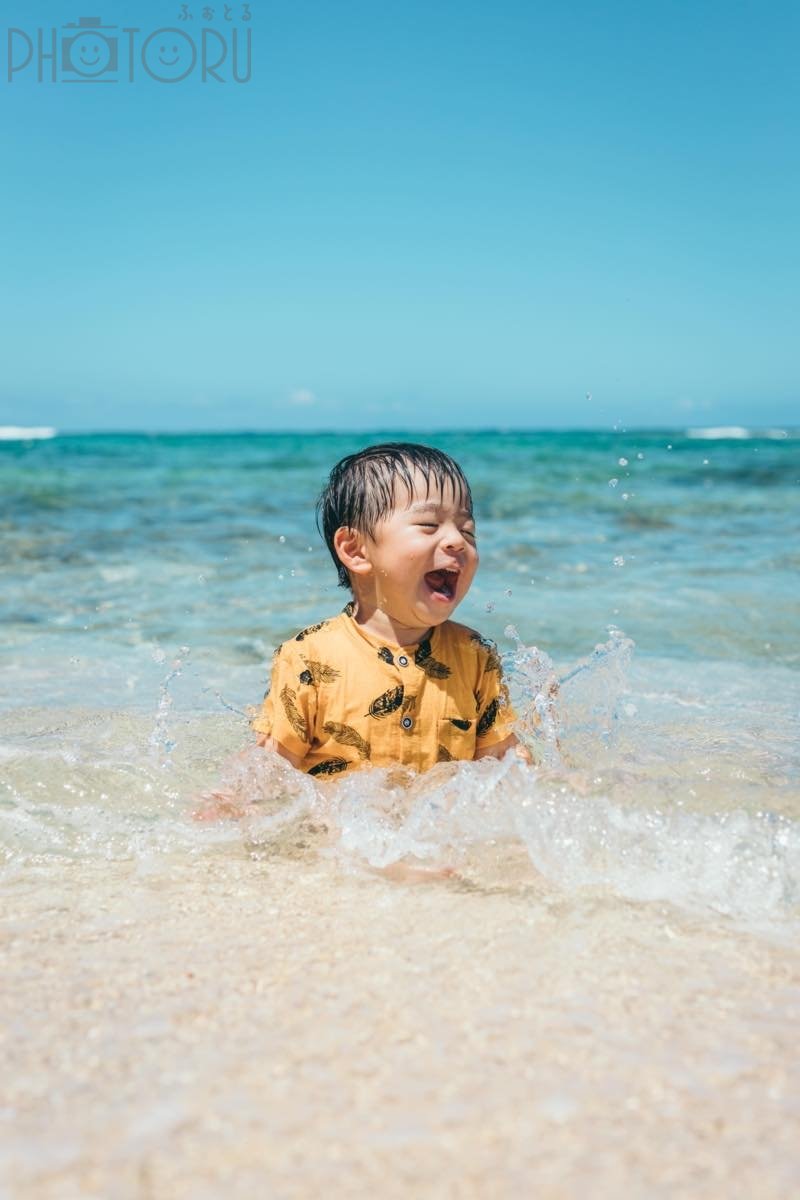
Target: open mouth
[442, 584]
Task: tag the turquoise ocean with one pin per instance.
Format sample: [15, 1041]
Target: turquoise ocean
[653, 575]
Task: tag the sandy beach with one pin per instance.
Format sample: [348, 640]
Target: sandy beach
[245, 1026]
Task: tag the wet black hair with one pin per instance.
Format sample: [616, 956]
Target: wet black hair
[360, 491]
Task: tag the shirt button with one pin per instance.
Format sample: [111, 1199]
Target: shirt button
[403, 660]
[407, 722]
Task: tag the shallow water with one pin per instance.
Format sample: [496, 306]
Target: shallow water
[599, 995]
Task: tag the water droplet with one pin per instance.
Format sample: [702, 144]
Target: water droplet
[669, 445]
[508, 591]
[705, 462]
[201, 578]
[280, 577]
[626, 495]
[619, 561]
[282, 539]
[309, 549]
[640, 455]
[623, 462]
[490, 606]
[613, 482]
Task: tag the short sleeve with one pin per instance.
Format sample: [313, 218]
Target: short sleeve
[289, 707]
[496, 716]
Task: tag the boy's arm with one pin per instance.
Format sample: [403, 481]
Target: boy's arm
[269, 743]
[229, 801]
[500, 749]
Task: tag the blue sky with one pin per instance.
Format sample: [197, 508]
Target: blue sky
[417, 214]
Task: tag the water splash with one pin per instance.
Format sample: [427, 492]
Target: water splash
[597, 810]
[594, 694]
[479, 815]
[568, 718]
[534, 685]
[160, 742]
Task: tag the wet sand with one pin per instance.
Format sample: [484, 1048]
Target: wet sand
[226, 1026]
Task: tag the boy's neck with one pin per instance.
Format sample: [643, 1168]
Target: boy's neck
[383, 626]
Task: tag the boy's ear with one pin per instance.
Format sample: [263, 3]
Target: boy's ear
[351, 548]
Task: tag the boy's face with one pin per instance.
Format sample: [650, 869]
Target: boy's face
[423, 556]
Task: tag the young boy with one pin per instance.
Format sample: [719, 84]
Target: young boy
[391, 679]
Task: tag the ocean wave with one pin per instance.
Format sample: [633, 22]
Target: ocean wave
[490, 821]
[719, 433]
[24, 433]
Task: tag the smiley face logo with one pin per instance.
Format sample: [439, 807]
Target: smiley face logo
[90, 54]
[169, 55]
[169, 62]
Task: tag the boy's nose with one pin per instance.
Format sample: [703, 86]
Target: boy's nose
[453, 538]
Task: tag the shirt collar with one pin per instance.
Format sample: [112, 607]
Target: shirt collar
[378, 643]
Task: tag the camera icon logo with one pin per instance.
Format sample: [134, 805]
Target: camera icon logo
[88, 52]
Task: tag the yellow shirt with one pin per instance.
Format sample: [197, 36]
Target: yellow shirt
[342, 699]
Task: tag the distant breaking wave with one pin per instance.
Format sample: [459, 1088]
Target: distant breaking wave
[21, 433]
[720, 432]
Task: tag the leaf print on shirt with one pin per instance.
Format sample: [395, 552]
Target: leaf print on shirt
[386, 703]
[317, 673]
[409, 704]
[443, 754]
[460, 724]
[294, 717]
[431, 666]
[386, 654]
[303, 634]
[328, 766]
[348, 737]
[492, 657]
[489, 717]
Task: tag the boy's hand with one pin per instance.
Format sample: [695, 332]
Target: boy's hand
[239, 799]
[218, 806]
[500, 750]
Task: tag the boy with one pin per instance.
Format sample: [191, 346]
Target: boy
[391, 679]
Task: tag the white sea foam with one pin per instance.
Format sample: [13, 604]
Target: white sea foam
[23, 433]
[720, 433]
[743, 865]
[471, 816]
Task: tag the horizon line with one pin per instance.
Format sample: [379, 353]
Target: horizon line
[731, 430]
